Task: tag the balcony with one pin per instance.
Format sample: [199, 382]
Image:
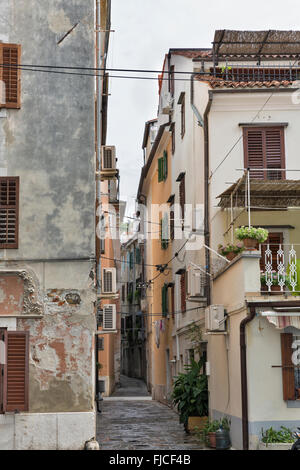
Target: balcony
[280, 269]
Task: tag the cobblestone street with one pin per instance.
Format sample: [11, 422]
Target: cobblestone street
[130, 422]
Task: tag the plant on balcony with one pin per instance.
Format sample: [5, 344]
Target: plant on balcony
[190, 393]
[230, 250]
[251, 236]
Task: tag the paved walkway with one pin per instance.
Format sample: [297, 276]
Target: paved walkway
[137, 424]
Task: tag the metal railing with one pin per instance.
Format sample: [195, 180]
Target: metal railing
[280, 268]
[258, 73]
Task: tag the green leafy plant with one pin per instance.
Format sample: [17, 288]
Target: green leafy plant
[213, 426]
[230, 248]
[130, 297]
[190, 392]
[271, 436]
[259, 234]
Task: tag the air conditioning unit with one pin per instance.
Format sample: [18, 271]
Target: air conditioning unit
[215, 318]
[109, 317]
[109, 281]
[108, 157]
[166, 103]
[196, 282]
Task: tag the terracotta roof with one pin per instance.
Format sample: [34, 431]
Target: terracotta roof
[193, 53]
[220, 83]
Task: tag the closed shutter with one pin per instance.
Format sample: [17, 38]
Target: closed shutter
[9, 212]
[182, 197]
[183, 291]
[173, 300]
[10, 74]
[288, 375]
[16, 371]
[164, 299]
[264, 148]
[254, 153]
[160, 170]
[109, 317]
[172, 225]
[165, 165]
[274, 152]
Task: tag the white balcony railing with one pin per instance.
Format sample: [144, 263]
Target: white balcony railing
[280, 268]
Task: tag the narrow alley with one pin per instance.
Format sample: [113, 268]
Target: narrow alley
[131, 420]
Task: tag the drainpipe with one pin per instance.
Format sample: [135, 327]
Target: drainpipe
[194, 108]
[98, 182]
[206, 194]
[244, 384]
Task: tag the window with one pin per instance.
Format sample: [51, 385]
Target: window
[183, 291]
[183, 116]
[164, 300]
[173, 137]
[164, 231]
[172, 81]
[10, 74]
[14, 370]
[102, 245]
[182, 198]
[264, 148]
[9, 212]
[163, 167]
[290, 372]
[123, 293]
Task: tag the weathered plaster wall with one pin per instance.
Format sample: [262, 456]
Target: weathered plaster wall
[49, 142]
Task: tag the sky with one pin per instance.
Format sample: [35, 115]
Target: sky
[144, 32]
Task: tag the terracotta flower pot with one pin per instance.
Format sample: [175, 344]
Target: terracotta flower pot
[198, 422]
[231, 255]
[212, 439]
[250, 244]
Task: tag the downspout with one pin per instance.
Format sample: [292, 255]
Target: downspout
[244, 384]
[206, 194]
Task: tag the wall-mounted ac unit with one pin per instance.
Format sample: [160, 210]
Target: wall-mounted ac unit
[108, 157]
[166, 103]
[196, 282]
[109, 281]
[109, 317]
[215, 318]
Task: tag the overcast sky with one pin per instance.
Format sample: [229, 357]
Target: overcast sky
[144, 32]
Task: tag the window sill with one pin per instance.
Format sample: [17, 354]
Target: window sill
[293, 404]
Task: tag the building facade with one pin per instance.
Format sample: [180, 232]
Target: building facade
[47, 241]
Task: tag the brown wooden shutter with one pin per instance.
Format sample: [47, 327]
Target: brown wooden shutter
[288, 374]
[274, 139]
[172, 224]
[264, 148]
[254, 151]
[9, 212]
[16, 375]
[10, 58]
[183, 291]
[173, 300]
[182, 196]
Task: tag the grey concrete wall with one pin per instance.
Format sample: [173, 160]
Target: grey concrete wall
[49, 142]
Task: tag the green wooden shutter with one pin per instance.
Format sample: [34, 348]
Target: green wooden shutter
[160, 170]
[164, 300]
[165, 165]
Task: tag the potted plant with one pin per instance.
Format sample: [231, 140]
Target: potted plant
[190, 395]
[212, 427]
[275, 288]
[272, 439]
[230, 250]
[251, 236]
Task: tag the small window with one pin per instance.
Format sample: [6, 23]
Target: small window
[172, 81]
[183, 291]
[182, 117]
[10, 75]
[163, 167]
[9, 212]
[264, 152]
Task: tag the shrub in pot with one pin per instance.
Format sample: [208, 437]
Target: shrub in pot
[272, 439]
[190, 395]
[251, 236]
[212, 427]
[230, 250]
